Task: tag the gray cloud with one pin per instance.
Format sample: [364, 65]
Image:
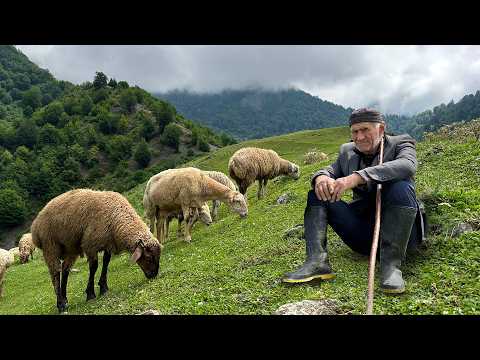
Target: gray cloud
[396, 79]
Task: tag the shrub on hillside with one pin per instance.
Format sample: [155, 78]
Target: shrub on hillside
[142, 154]
[171, 136]
[203, 145]
[12, 208]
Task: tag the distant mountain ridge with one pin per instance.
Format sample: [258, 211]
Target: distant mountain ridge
[258, 113]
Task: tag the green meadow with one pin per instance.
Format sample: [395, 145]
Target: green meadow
[235, 265]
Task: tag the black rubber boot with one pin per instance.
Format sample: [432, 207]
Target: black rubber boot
[395, 231]
[316, 265]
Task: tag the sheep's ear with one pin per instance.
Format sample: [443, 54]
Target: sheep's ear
[136, 254]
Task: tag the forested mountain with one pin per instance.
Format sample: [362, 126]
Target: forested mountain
[55, 136]
[257, 113]
[466, 109]
[249, 114]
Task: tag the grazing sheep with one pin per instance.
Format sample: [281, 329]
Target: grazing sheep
[153, 213]
[249, 164]
[188, 188]
[314, 156]
[203, 214]
[26, 248]
[87, 222]
[6, 259]
[222, 179]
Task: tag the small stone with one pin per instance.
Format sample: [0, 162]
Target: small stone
[461, 229]
[309, 307]
[283, 199]
[150, 312]
[295, 232]
[75, 270]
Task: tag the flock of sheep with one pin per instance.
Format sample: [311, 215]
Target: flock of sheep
[84, 222]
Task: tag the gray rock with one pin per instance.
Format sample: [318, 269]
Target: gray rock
[283, 199]
[461, 229]
[309, 307]
[150, 312]
[295, 232]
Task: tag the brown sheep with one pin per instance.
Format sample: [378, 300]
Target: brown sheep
[87, 222]
[249, 164]
[26, 248]
[189, 188]
[222, 179]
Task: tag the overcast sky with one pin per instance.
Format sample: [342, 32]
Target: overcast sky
[395, 79]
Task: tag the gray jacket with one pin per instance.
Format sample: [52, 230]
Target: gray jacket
[399, 163]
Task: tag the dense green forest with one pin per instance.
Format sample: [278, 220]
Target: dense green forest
[104, 134]
[257, 113]
[466, 109]
[250, 114]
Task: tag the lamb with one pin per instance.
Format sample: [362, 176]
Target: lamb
[222, 179]
[153, 213]
[26, 248]
[203, 214]
[85, 221]
[6, 259]
[188, 188]
[249, 164]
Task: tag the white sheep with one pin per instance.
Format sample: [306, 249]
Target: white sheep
[26, 248]
[249, 164]
[85, 221]
[188, 188]
[6, 259]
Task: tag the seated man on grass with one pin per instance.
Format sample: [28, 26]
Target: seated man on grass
[357, 168]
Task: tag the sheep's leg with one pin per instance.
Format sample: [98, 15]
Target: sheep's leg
[242, 187]
[2, 273]
[161, 229]
[152, 224]
[103, 277]
[260, 187]
[66, 266]
[264, 187]
[215, 206]
[167, 226]
[179, 228]
[93, 265]
[189, 215]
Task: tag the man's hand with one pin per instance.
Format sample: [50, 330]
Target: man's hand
[343, 184]
[324, 186]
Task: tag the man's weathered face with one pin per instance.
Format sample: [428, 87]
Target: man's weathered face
[367, 135]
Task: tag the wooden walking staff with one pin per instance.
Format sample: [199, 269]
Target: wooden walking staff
[376, 233]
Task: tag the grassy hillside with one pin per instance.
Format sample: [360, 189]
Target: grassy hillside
[235, 265]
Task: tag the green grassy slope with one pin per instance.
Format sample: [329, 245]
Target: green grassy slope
[235, 265]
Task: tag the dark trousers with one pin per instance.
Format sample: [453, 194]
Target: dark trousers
[354, 222]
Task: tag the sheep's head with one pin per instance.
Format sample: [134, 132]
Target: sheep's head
[24, 257]
[238, 203]
[147, 256]
[204, 214]
[293, 171]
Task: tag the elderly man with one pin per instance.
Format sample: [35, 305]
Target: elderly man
[357, 168]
